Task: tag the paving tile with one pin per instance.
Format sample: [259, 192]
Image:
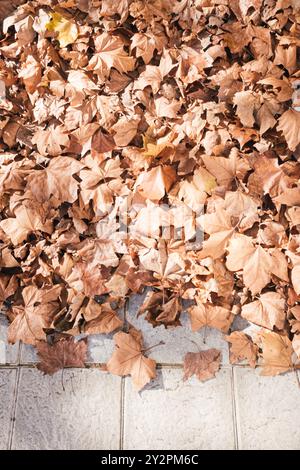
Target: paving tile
[178, 340]
[268, 410]
[7, 387]
[28, 354]
[100, 348]
[8, 352]
[172, 414]
[86, 415]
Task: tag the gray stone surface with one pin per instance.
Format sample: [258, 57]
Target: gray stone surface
[28, 354]
[86, 415]
[7, 388]
[172, 414]
[179, 340]
[268, 410]
[8, 352]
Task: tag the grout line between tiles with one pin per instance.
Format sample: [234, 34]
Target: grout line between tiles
[122, 411]
[234, 410]
[13, 413]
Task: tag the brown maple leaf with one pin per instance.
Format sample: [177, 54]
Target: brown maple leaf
[242, 348]
[37, 314]
[267, 311]
[129, 359]
[288, 124]
[62, 354]
[276, 353]
[256, 262]
[203, 364]
[51, 140]
[203, 315]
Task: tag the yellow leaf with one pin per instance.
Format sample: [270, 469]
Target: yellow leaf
[66, 30]
[153, 149]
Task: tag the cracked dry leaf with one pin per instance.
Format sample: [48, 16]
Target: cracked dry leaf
[203, 364]
[67, 31]
[128, 359]
[276, 353]
[62, 354]
[242, 348]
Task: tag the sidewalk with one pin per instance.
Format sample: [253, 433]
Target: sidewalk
[237, 410]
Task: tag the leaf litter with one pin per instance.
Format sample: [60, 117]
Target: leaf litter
[178, 120]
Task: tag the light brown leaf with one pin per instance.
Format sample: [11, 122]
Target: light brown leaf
[268, 311]
[128, 359]
[203, 315]
[289, 125]
[155, 183]
[276, 353]
[203, 364]
[242, 348]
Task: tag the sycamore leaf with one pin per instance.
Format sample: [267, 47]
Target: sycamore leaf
[67, 31]
[155, 183]
[125, 130]
[50, 141]
[276, 353]
[56, 180]
[203, 364]
[64, 353]
[37, 314]
[27, 220]
[219, 226]
[110, 53]
[256, 263]
[245, 103]
[289, 125]
[267, 311]
[128, 359]
[100, 319]
[203, 315]
[242, 348]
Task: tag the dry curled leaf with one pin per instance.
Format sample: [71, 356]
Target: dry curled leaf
[203, 364]
[242, 348]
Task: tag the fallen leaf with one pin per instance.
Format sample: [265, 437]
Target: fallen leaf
[203, 364]
[67, 31]
[276, 353]
[62, 354]
[128, 359]
[208, 315]
[268, 311]
[242, 348]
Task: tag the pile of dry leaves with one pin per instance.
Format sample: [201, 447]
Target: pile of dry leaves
[151, 143]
